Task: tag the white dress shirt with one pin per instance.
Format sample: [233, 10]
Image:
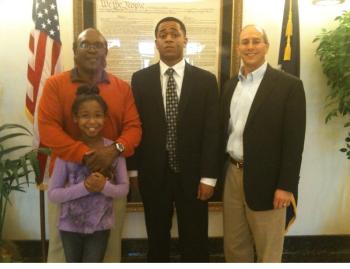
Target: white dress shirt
[241, 103]
[179, 71]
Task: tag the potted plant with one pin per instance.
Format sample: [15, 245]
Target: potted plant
[334, 53]
[15, 175]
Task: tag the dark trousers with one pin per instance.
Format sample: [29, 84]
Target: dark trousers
[192, 217]
[80, 247]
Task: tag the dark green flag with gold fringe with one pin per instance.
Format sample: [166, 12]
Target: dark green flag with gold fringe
[289, 54]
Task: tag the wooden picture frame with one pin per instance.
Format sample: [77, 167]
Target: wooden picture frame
[84, 12]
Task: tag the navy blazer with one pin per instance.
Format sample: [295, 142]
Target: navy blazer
[273, 137]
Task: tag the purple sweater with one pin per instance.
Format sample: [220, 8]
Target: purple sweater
[82, 211]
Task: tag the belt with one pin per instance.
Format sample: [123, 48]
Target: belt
[238, 164]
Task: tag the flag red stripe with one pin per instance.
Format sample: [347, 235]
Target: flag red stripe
[30, 105]
[39, 63]
[31, 43]
[34, 76]
[31, 75]
[29, 102]
[56, 48]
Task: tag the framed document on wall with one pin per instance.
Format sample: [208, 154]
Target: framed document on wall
[129, 29]
[128, 25]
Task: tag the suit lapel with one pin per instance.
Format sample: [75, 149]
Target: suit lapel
[187, 85]
[264, 90]
[157, 90]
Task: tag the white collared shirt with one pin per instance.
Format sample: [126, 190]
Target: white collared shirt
[179, 71]
[241, 103]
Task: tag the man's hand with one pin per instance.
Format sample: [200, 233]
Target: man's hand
[95, 182]
[282, 199]
[101, 159]
[204, 191]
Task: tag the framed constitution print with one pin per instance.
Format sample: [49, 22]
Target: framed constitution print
[129, 29]
[128, 26]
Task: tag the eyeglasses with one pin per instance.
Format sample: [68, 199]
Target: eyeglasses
[96, 46]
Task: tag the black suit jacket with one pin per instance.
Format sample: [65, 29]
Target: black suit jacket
[273, 137]
[197, 129]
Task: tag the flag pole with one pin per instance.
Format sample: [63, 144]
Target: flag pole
[42, 188]
[42, 225]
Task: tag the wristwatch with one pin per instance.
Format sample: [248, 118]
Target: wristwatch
[120, 147]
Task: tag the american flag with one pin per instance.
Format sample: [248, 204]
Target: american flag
[44, 61]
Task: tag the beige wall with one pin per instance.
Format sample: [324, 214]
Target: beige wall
[323, 202]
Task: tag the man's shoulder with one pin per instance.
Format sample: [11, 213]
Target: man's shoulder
[149, 69]
[200, 71]
[116, 79]
[61, 76]
[146, 74]
[58, 82]
[281, 74]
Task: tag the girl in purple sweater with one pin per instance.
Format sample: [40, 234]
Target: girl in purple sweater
[86, 198]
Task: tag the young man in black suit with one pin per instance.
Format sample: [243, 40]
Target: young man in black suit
[262, 116]
[177, 160]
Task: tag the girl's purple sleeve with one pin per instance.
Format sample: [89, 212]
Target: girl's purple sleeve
[120, 187]
[58, 191]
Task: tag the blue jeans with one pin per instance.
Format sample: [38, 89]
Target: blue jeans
[80, 247]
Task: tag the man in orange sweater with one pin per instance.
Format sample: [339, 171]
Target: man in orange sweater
[58, 131]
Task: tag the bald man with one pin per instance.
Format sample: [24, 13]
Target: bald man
[263, 127]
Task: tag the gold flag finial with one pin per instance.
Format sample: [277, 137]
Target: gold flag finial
[289, 32]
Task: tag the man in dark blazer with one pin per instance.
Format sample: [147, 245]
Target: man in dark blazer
[262, 117]
[189, 183]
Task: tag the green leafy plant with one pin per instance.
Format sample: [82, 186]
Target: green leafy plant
[15, 172]
[334, 53]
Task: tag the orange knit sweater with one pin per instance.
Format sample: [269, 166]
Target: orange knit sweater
[58, 131]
